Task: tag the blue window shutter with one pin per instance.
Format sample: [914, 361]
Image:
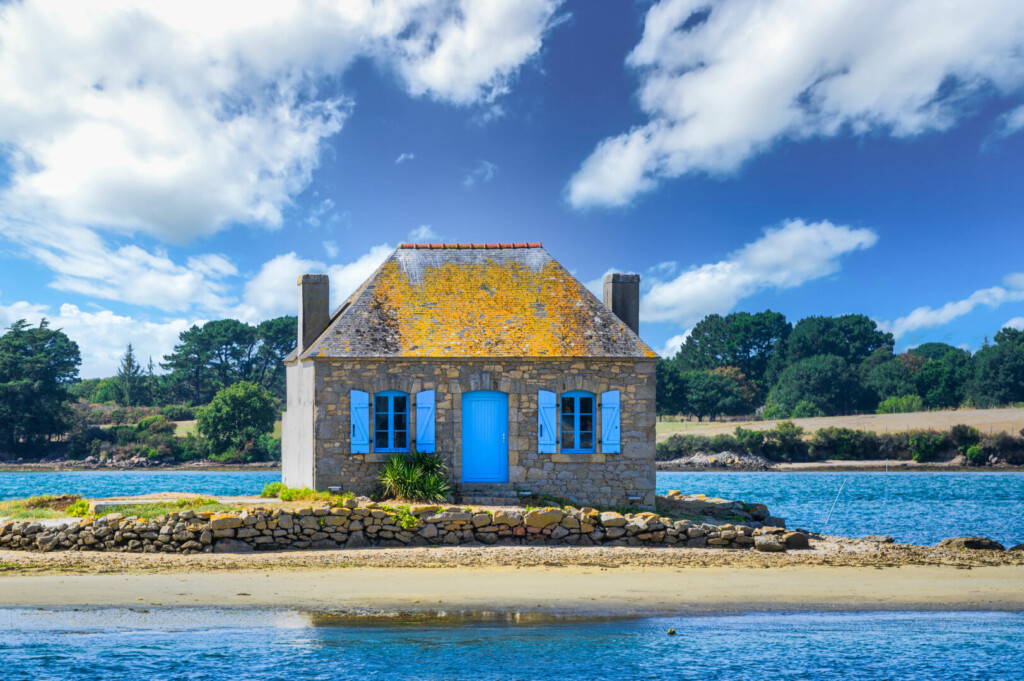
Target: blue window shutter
[547, 419]
[611, 441]
[425, 421]
[359, 415]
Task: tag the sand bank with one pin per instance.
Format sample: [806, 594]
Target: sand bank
[628, 590]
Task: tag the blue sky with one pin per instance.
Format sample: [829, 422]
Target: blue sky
[164, 165]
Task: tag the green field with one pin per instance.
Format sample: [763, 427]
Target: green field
[1010, 420]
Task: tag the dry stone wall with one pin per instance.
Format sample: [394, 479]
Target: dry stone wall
[599, 479]
[359, 524]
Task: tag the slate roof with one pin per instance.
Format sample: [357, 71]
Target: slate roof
[475, 300]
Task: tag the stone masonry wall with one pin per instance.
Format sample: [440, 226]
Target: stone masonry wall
[597, 479]
[362, 524]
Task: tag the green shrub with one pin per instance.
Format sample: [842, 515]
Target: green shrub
[724, 442]
[976, 455]
[416, 477]
[806, 409]
[927, 444]
[178, 412]
[751, 441]
[785, 442]
[844, 443]
[237, 415]
[964, 436]
[680, 446]
[272, 490]
[79, 509]
[306, 494]
[904, 404]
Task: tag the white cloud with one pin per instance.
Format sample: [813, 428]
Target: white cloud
[925, 317]
[1015, 323]
[322, 212]
[472, 54]
[404, 156]
[331, 249]
[483, 172]
[179, 119]
[720, 91]
[272, 291]
[103, 335]
[423, 233]
[1012, 121]
[673, 344]
[786, 256]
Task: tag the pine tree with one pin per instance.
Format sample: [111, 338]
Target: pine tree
[129, 379]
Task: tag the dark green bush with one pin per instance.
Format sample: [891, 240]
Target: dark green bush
[964, 436]
[724, 442]
[680, 446]
[178, 412]
[785, 442]
[806, 409]
[844, 443]
[751, 441]
[925, 445]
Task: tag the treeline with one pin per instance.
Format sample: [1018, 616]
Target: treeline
[789, 442]
[234, 369]
[743, 363]
[207, 359]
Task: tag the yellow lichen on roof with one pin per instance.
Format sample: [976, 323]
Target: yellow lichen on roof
[485, 310]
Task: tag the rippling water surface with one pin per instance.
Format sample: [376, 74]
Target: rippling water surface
[912, 507]
[107, 644]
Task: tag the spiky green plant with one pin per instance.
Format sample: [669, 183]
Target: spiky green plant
[416, 476]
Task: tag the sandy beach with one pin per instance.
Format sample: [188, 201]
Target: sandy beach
[598, 581]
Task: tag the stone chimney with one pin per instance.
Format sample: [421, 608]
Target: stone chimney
[314, 313]
[622, 296]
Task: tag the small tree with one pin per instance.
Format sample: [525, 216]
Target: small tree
[236, 416]
[129, 379]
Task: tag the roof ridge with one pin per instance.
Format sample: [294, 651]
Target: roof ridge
[517, 244]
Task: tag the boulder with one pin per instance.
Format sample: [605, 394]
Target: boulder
[356, 540]
[613, 519]
[1018, 547]
[970, 544]
[796, 540]
[769, 542]
[878, 538]
[542, 517]
[506, 517]
[231, 546]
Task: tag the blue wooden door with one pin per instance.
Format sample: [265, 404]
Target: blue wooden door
[484, 436]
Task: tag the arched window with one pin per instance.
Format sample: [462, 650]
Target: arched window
[577, 421]
[391, 421]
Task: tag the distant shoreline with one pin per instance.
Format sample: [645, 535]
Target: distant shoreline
[70, 467]
[845, 467]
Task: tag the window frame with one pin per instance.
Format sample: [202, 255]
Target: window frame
[391, 430]
[576, 396]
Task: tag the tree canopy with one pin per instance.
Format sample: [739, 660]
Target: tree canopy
[36, 366]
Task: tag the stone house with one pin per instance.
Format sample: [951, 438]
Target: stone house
[492, 356]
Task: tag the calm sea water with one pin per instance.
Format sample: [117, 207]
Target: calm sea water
[919, 508]
[215, 644]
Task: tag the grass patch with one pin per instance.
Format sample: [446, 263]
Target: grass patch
[39, 507]
[150, 511]
[279, 490]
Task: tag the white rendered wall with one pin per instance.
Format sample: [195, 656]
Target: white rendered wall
[297, 427]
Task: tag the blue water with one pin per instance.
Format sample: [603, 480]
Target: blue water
[105, 644]
[130, 483]
[915, 508]
[919, 508]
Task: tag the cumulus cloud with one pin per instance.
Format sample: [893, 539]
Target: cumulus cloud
[424, 233]
[721, 81]
[482, 172]
[102, 335]
[926, 317]
[1012, 121]
[272, 291]
[177, 120]
[1015, 323]
[783, 257]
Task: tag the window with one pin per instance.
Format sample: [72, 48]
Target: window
[577, 422]
[391, 422]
